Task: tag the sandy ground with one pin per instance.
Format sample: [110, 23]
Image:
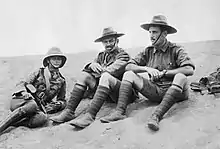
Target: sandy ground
[193, 124]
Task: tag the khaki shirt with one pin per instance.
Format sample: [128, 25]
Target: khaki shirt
[171, 56]
[56, 88]
[114, 62]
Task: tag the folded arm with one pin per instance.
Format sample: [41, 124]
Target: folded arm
[186, 70]
[119, 64]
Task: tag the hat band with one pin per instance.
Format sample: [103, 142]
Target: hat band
[109, 33]
[160, 22]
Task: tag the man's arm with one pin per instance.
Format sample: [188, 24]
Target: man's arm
[138, 64]
[119, 64]
[94, 66]
[135, 68]
[186, 70]
[184, 62]
[60, 102]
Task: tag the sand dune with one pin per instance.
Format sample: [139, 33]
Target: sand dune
[193, 124]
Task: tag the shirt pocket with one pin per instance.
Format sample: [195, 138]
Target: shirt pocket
[171, 65]
[167, 65]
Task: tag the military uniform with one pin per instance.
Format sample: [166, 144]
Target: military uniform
[56, 88]
[48, 85]
[169, 65]
[113, 63]
[170, 57]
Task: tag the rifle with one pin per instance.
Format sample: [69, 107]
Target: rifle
[32, 90]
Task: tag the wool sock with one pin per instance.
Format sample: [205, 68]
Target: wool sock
[125, 94]
[169, 99]
[100, 96]
[76, 96]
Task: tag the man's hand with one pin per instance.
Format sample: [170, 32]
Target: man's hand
[96, 67]
[53, 107]
[155, 74]
[27, 95]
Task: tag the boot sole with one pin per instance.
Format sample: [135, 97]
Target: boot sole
[152, 127]
[55, 121]
[60, 122]
[77, 126]
[104, 121]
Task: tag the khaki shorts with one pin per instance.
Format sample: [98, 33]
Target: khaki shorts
[156, 93]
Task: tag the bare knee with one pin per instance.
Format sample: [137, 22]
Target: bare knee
[85, 78]
[107, 79]
[180, 79]
[129, 76]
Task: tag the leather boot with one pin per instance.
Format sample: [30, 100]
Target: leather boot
[153, 122]
[99, 98]
[125, 95]
[69, 112]
[65, 116]
[15, 116]
[115, 116]
[83, 122]
[170, 98]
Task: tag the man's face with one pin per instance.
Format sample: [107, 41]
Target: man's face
[55, 61]
[109, 43]
[155, 33]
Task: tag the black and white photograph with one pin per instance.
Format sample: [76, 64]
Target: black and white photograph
[109, 74]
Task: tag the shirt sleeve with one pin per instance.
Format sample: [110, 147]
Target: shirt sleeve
[140, 59]
[183, 58]
[119, 64]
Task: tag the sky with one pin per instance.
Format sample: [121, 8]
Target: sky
[29, 27]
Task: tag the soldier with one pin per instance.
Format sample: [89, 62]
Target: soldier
[101, 76]
[48, 83]
[159, 73]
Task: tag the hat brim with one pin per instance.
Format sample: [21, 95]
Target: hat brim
[48, 56]
[170, 29]
[107, 36]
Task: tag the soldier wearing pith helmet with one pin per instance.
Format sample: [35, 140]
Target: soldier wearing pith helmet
[50, 91]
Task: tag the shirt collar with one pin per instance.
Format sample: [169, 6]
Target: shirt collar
[163, 48]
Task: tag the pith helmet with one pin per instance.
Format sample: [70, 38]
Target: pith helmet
[54, 51]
